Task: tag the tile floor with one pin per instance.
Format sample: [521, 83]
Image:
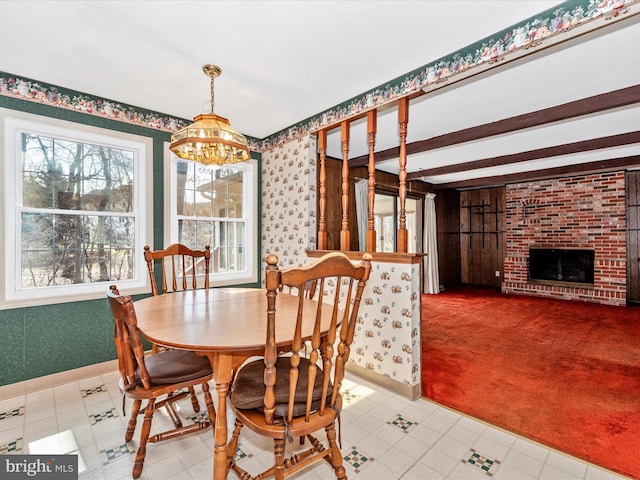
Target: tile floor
[384, 436]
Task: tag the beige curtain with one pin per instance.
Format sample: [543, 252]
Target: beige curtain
[431, 283]
[362, 212]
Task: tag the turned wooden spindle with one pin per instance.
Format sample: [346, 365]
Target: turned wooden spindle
[372, 117]
[345, 237]
[322, 216]
[403, 120]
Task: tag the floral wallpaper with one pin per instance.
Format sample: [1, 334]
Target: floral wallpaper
[387, 339]
[289, 201]
[388, 331]
[567, 20]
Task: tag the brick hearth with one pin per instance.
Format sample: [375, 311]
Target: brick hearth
[576, 212]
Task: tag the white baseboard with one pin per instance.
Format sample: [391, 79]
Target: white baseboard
[411, 392]
[49, 381]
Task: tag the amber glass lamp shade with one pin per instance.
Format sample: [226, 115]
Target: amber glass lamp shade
[210, 140]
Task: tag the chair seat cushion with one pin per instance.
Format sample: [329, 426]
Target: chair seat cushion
[248, 387]
[175, 366]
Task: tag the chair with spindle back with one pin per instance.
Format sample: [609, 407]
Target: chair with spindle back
[285, 396]
[181, 268]
[185, 267]
[159, 379]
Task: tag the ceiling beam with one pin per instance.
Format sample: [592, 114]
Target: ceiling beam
[597, 103]
[553, 151]
[533, 175]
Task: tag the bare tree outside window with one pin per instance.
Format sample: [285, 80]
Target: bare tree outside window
[77, 224]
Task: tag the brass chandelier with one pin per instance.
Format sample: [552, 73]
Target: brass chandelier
[210, 140]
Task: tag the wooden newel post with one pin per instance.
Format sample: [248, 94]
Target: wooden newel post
[403, 120]
[272, 282]
[322, 214]
[372, 117]
[345, 237]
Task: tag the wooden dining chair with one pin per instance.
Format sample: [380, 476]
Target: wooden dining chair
[181, 268]
[158, 379]
[286, 396]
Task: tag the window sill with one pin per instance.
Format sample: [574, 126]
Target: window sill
[64, 298]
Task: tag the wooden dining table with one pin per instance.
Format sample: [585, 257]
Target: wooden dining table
[228, 325]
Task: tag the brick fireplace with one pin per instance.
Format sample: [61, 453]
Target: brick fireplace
[574, 213]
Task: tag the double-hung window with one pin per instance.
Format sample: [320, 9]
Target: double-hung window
[215, 206]
[76, 210]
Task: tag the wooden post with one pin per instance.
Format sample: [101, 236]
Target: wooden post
[322, 215]
[272, 282]
[345, 238]
[403, 120]
[372, 117]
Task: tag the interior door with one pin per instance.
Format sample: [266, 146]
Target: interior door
[633, 237]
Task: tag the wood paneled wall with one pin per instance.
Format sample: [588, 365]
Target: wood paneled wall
[448, 225]
[482, 236]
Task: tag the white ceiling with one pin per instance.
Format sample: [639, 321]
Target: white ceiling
[284, 61]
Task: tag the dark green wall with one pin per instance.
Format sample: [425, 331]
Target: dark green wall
[37, 341]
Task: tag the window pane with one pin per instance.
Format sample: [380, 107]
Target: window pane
[35, 268]
[240, 240]
[187, 232]
[122, 232]
[64, 175]
[38, 171]
[204, 234]
[75, 176]
[203, 192]
[235, 193]
[37, 250]
[57, 257]
[185, 199]
[411, 205]
[383, 213]
[238, 248]
[73, 249]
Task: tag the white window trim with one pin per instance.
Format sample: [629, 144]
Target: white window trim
[12, 122]
[250, 274]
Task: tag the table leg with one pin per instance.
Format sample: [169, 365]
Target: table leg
[222, 371]
[220, 452]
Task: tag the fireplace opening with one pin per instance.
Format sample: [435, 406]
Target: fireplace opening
[561, 266]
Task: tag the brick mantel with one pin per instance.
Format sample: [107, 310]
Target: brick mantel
[575, 212]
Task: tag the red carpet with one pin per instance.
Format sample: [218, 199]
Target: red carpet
[565, 374]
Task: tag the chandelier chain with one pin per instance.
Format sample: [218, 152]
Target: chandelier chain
[213, 77]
